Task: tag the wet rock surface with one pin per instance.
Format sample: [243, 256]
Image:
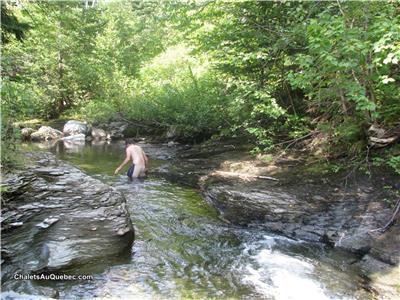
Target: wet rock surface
[56, 219]
[300, 205]
[312, 211]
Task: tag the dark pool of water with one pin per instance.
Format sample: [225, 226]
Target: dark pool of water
[184, 251]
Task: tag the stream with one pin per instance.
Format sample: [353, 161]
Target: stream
[182, 248]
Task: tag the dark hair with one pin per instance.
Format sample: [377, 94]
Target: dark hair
[129, 141]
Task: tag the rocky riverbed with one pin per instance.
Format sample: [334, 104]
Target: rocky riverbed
[345, 212]
[68, 219]
[56, 219]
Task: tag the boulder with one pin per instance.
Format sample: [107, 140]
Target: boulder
[99, 134]
[74, 127]
[69, 221]
[172, 132]
[379, 137]
[116, 130]
[26, 133]
[46, 133]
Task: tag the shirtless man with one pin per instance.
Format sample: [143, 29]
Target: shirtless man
[138, 157]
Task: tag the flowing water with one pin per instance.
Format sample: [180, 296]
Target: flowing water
[183, 250]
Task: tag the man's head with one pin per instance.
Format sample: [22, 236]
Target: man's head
[129, 142]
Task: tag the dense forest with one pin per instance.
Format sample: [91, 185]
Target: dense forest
[276, 73]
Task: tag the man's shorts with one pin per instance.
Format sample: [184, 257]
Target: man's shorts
[130, 171]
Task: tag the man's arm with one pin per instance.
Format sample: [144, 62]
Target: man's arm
[127, 159]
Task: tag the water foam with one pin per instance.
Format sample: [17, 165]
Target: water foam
[10, 295]
[280, 276]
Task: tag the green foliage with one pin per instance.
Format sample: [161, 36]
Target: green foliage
[249, 43]
[73, 56]
[394, 162]
[267, 70]
[9, 135]
[348, 72]
[175, 89]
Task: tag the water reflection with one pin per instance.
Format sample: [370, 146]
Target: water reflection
[47, 145]
[74, 146]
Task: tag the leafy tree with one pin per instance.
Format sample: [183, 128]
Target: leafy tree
[349, 70]
[260, 69]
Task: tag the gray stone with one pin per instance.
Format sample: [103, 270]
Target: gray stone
[27, 290]
[49, 249]
[99, 134]
[386, 247]
[114, 130]
[172, 144]
[26, 133]
[172, 132]
[47, 222]
[74, 127]
[46, 133]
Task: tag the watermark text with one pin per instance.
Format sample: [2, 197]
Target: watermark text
[51, 276]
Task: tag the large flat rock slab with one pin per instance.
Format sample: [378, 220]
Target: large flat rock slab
[306, 209]
[350, 217]
[57, 219]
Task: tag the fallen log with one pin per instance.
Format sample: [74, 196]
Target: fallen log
[381, 142]
[379, 137]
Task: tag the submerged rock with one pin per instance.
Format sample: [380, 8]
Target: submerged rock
[57, 233]
[47, 222]
[74, 145]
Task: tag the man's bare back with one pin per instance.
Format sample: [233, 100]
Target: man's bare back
[139, 160]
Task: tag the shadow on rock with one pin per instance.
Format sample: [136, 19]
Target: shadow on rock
[56, 219]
